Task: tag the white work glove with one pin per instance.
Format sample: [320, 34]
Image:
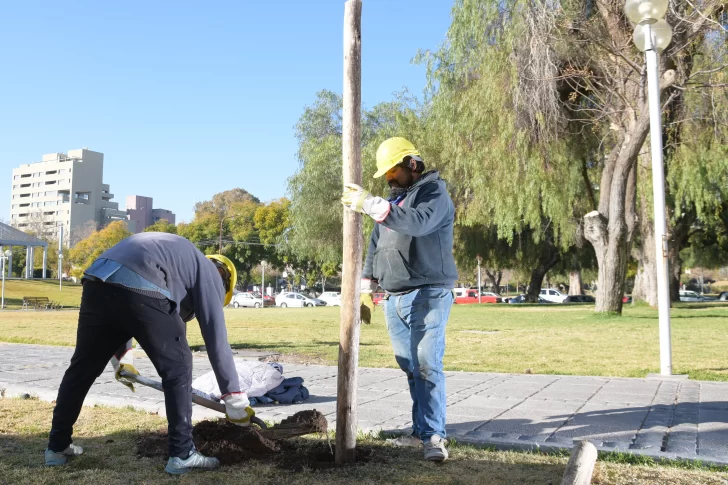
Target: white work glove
[237, 409]
[365, 299]
[359, 200]
[125, 363]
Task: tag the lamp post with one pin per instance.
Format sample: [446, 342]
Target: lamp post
[262, 284]
[4, 257]
[652, 35]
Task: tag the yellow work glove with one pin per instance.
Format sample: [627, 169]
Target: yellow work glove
[359, 200]
[237, 409]
[367, 303]
[126, 363]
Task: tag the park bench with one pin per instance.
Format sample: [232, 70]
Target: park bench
[38, 303]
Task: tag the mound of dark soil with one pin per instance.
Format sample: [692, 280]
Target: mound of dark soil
[232, 444]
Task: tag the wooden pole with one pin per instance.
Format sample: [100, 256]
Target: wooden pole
[350, 317]
[580, 468]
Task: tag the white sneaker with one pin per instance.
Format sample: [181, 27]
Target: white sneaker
[178, 466]
[55, 458]
[407, 441]
[435, 449]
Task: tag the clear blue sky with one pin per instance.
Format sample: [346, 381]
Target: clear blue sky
[189, 98]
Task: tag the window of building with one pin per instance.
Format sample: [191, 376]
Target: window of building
[23, 215]
[22, 186]
[49, 213]
[22, 224]
[36, 175]
[22, 205]
[50, 223]
[24, 195]
[25, 175]
[50, 192]
[51, 172]
[16, 177]
[50, 182]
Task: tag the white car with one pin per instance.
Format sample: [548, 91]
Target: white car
[694, 296]
[554, 296]
[289, 299]
[248, 300]
[332, 298]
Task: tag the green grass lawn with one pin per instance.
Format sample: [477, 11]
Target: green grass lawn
[69, 296]
[539, 339]
[109, 438]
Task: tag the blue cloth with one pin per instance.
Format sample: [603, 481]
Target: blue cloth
[416, 324]
[290, 391]
[112, 272]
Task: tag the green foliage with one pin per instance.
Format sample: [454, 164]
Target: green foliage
[226, 225]
[83, 254]
[162, 225]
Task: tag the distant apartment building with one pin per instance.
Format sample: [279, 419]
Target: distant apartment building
[141, 213]
[62, 189]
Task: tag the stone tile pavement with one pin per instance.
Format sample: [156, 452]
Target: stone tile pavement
[665, 419]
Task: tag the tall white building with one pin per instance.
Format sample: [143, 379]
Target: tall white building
[63, 189]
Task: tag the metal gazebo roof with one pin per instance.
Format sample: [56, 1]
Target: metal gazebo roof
[9, 236]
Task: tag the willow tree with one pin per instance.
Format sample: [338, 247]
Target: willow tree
[509, 167]
[316, 215]
[579, 61]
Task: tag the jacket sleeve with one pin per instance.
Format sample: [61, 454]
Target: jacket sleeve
[369, 261]
[208, 300]
[428, 213]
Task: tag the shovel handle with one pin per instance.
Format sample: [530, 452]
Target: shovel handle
[208, 403]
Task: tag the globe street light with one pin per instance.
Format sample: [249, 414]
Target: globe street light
[652, 35]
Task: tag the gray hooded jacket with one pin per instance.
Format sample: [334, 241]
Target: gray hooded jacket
[412, 246]
[173, 263]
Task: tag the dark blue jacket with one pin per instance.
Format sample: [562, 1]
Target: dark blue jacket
[412, 246]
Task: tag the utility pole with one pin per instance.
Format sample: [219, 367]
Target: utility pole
[350, 316]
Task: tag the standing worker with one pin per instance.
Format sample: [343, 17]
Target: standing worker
[147, 287]
[410, 257]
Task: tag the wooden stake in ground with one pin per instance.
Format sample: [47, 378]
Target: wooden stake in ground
[580, 468]
[346, 425]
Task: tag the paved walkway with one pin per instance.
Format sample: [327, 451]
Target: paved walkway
[669, 419]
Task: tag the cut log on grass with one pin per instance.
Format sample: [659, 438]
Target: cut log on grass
[580, 468]
[350, 317]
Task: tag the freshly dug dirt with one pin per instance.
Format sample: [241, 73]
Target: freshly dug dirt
[232, 444]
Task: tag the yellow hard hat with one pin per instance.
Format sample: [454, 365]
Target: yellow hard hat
[391, 152]
[227, 271]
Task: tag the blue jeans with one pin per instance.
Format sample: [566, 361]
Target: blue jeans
[416, 323]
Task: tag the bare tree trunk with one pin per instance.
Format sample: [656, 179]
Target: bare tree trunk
[495, 278]
[645, 285]
[575, 283]
[547, 260]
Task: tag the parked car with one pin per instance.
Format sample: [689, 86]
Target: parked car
[465, 296]
[688, 295]
[290, 299]
[554, 296]
[723, 296]
[250, 300]
[522, 299]
[378, 297]
[332, 298]
[579, 299]
[490, 297]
